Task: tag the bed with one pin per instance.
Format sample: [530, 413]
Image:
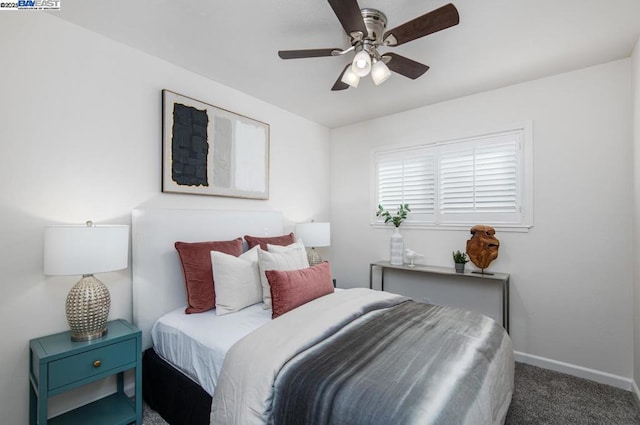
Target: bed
[355, 356]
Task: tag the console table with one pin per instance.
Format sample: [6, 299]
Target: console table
[497, 278]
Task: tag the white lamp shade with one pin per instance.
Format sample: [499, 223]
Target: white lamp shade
[380, 72]
[361, 64]
[314, 234]
[83, 250]
[350, 77]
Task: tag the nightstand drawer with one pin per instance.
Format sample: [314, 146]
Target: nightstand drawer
[85, 365]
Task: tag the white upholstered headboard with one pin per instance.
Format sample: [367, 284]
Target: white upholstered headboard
[158, 282]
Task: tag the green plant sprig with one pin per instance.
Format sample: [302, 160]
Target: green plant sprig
[460, 257]
[398, 218]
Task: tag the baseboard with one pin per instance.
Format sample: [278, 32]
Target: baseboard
[579, 371]
[636, 390]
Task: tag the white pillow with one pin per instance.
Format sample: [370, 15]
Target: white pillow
[291, 257]
[281, 248]
[237, 280]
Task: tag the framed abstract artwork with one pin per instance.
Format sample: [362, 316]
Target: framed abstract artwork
[211, 151]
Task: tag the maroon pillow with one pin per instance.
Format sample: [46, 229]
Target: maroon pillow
[283, 240]
[292, 288]
[198, 273]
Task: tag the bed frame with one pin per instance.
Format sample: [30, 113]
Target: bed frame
[158, 287]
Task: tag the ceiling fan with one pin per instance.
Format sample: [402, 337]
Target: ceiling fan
[366, 29]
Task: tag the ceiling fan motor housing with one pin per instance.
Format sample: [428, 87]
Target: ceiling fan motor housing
[376, 23]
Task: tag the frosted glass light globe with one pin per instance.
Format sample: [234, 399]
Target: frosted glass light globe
[361, 64]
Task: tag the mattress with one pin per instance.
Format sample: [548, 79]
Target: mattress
[196, 344]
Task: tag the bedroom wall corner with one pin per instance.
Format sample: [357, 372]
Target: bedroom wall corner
[635, 83]
[81, 139]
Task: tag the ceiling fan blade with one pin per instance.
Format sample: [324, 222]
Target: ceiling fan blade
[309, 53]
[434, 21]
[339, 85]
[348, 13]
[405, 66]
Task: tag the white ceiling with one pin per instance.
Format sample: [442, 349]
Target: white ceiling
[235, 42]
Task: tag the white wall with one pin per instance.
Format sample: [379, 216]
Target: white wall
[571, 274]
[636, 134]
[80, 138]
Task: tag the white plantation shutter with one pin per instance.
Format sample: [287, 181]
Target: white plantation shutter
[470, 181]
[408, 177]
[479, 180]
[390, 181]
[456, 181]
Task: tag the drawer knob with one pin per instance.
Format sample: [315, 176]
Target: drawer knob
[97, 363]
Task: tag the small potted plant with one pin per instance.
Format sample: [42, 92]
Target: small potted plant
[460, 259]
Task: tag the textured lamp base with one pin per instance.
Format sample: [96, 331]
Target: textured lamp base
[313, 257]
[87, 306]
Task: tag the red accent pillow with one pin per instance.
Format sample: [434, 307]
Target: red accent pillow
[198, 273]
[283, 240]
[292, 288]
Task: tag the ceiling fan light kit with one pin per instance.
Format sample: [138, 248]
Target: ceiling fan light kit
[366, 31]
[361, 64]
[350, 77]
[380, 72]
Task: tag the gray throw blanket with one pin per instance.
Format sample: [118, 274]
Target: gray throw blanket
[411, 363]
[368, 357]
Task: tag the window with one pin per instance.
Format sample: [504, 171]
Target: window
[483, 179]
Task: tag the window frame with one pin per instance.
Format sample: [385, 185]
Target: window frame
[525, 194]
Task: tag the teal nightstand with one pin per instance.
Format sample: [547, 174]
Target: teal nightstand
[58, 364]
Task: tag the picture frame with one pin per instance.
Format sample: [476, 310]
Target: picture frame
[208, 150]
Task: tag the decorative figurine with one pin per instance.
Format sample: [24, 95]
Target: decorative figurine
[412, 255]
[483, 246]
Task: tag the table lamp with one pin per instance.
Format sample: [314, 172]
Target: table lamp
[85, 250]
[314, 235]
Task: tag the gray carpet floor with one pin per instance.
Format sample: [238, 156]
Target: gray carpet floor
[544, 397]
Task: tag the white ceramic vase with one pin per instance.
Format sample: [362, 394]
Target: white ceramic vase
[397, 248]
